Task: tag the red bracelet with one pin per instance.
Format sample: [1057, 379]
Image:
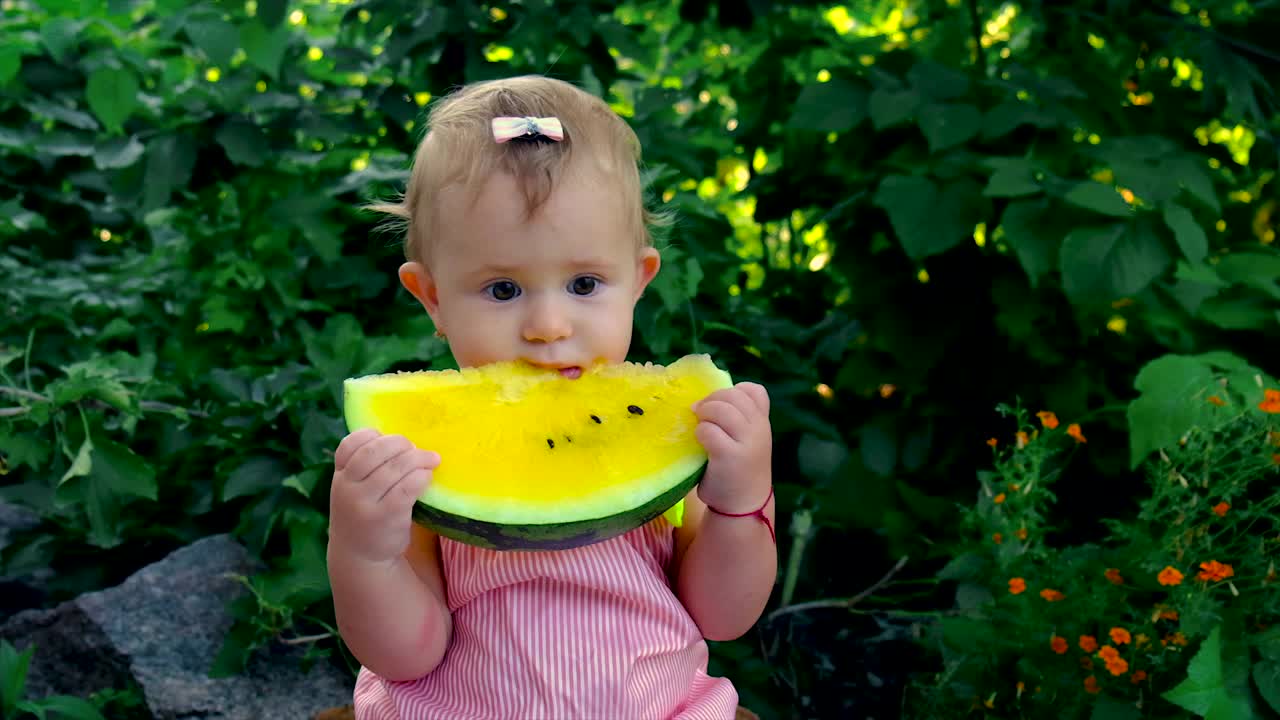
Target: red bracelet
[758, 512]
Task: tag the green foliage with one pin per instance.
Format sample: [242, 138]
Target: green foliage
[14, 705]
[895, 214]
[1096, 629]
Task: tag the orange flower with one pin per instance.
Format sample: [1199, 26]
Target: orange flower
[1140, 640]
[1215, 571]
[1021, 533]
[997, 538]
[1017, 586]
[1022, 439]
[1275, 459]
[998, 499]
[1119, 635]
[1164, 613]
[1118, 666]
[1170, 576]
[1074, 431]
[1176, 638]
[1270, 401]
[1059, 644]
[1113, 574]
[1138, 677]
[1091, 685]
[1048, 419]
[1051, 595]
[992, 442]
[1088, 643]
[1274, 437]
[1215, 400]
[1108, 653]
[1221, 509]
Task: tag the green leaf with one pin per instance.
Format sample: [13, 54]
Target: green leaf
[10, 63]
[1109, 708]
[1028, 230]
[59, 34]
[13, 675]
[1104, 199]
[112, 94]
[304, 482]
[1190, 236]
[83, 462]
[892, 107]
[216, 38]
[834, 106]
[118, 152]
[1101, 264]
[1259, 271]
[271, 12]
[70, 708]
[1203, 685]
[1173, 391]
[1237, 312]
[265, 48]
[120, 470]
[937, 81]
[1266, 675]
[257, 473]
[927, 220]
[1195, 179]
[946, 125]
[879, 448]
[1014, 177]
[820, 458]
[170, 160]
[966, 566]
[244, 143]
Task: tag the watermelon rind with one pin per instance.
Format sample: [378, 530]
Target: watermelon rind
[550, 536]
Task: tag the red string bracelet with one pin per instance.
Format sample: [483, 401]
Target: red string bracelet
[758, 512]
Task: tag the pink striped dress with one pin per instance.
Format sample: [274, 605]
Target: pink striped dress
[592, 633]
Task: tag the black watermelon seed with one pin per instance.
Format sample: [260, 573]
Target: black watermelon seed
[551, 443]
[635, 410]
[593, 417]
[568, 439]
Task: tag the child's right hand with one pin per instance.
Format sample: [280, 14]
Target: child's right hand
[376, 480]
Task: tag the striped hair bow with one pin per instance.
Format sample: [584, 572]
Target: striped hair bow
[510, 128]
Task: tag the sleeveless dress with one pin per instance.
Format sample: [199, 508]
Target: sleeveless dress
[592, 633]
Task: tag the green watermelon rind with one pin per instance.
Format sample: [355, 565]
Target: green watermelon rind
[550, 536]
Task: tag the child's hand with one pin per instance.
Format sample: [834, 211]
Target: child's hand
[734, 429]
[376, 480]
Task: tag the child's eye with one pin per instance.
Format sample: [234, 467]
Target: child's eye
[503, 290]
[583, 285]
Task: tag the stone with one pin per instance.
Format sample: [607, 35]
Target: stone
[22, 590]
[161, 629]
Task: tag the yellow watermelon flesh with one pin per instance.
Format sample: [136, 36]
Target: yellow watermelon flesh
[532, 460]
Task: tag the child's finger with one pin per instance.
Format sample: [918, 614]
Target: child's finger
[726, 414]
[350, 444]
[376, 453]
[411, 486]
[713, 438]
[758, 394]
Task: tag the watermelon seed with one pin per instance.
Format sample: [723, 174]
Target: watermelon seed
[635, 410]
[551, 443]
[593, 417]
[568, 439]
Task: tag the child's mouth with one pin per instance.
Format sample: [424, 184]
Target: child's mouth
[573, 373]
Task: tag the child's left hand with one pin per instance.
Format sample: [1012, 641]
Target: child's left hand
[733, 427]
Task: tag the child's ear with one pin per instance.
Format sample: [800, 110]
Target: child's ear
[647, 265]
[416, 278]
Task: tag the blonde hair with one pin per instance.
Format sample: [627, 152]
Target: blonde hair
[459, 151]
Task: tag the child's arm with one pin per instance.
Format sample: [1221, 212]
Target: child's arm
[724, 567]
[388, 588]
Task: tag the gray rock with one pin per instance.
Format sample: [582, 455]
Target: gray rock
[22, 590]
[162, 628]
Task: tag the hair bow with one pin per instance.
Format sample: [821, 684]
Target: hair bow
[509, 128]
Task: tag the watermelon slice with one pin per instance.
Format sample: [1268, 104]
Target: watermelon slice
[532, 460]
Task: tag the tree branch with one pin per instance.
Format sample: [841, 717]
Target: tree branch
[149, 405]
[843, 603]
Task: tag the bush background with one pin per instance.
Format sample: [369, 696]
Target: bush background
[895, 214]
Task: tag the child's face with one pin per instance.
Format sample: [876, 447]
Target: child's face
[556, 290]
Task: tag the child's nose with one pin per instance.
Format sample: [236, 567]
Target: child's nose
[546, 322]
